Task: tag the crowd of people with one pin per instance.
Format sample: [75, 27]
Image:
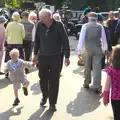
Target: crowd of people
[19, 37]
[50, 41]
[97, 41]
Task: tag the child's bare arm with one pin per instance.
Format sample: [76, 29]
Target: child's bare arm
[106, 92]
[28, 65]
[108, 83]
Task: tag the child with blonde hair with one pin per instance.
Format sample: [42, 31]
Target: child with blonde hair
[16, 68]
[112, 84]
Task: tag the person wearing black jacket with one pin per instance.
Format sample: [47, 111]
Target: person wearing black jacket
[117, 32]
[112, 24]
[49, 38]
[109, 42]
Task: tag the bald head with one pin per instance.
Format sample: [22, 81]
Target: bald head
[111, 12]
[111, 15]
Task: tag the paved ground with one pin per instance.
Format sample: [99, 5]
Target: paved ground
[74, 102]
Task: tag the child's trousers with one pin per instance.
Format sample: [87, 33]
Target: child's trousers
[116, 109]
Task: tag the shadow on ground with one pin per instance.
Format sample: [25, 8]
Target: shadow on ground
[9, 113]
[111, 118]
[86, 101]
[35, 88]
[33, 69]
[41, 114]
[4, 83]
[79, 70]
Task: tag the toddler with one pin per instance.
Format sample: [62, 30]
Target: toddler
[16, 68]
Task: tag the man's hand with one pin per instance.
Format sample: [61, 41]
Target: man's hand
[80, 58]
[35, 60]
[67, 62]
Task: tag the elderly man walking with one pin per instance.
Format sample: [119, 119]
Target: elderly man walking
[49, 39]
[93, 39]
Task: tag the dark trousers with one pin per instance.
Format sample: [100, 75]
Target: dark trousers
[49, 73]
[27, 49]
[116, 109]
[103, 62]
[61, 63]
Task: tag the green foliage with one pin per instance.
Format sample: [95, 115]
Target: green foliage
[8, 6]
[80, 4]
[15, 4]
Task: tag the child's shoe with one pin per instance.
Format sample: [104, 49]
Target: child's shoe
[27, 71]
[16, 102]
[25, 90]
[6, 75]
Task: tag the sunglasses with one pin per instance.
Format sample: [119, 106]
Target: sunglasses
[47, 31]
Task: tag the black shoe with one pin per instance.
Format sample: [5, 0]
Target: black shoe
[86, 86]
[25, 90]
[1, 73]
[43, 101]
[6, 75]
[16, 102]
[52, 108]
[27, 71]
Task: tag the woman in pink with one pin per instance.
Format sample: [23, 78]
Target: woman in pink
[2, 39]
[113, 83]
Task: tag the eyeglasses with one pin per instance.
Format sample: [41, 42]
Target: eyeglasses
[46, 33]
[34, 18]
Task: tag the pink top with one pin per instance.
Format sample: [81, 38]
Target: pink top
[113, 82]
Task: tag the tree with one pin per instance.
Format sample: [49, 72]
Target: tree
[57, 3]
[72, 4]
[13, 3]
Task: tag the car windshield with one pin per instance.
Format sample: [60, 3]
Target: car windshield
[105, 15]
[76, 14]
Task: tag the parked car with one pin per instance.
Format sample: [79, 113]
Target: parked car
[77, 27]
[73, 25]
[75, 16]
[116, 14]
[105, 15]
